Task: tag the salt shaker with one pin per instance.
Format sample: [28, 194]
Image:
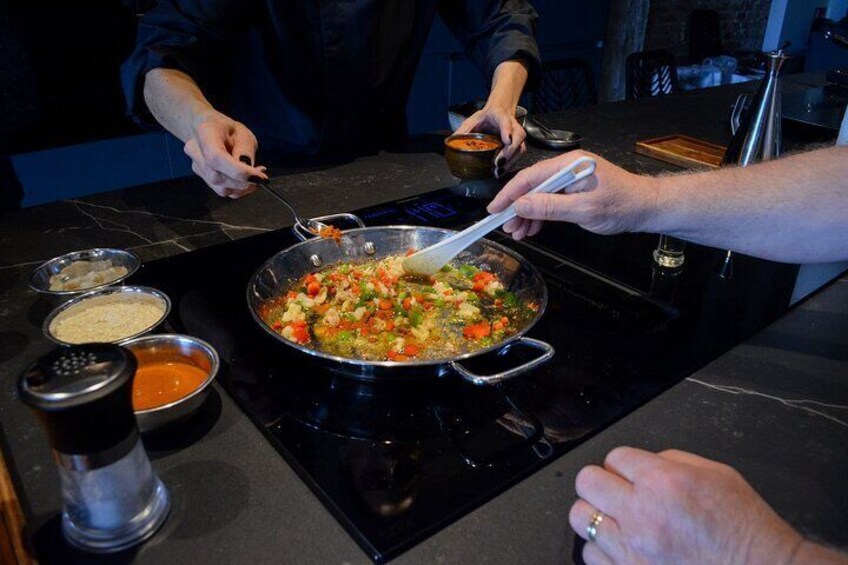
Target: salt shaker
[112, 498]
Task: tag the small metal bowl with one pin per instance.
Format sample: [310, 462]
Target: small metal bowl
[146, 291]
[181, 349]
[39, 281]
[560, 141]
[471, 165]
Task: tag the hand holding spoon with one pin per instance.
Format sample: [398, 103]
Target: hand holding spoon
[428, 261]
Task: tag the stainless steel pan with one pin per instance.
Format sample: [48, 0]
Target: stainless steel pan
[291, 264]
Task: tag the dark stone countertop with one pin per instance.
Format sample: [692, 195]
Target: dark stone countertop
[776, 406]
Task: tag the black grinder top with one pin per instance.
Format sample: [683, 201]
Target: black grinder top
[83, 396]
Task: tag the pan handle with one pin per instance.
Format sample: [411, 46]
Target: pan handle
[546, 349]
[303, 234]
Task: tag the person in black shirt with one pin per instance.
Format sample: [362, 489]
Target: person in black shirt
[312, 78]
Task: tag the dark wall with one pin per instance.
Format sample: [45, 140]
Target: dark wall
[59, 64]
[743, 24]
[60, 67]
[60, 90]
[566, 29]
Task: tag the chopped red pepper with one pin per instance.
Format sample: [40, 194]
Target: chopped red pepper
[300, 332]
[477, 331]
[313, 288]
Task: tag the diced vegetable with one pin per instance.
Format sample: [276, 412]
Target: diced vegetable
[313, 288]
[372, 311]
[468, 271]
[477, 331]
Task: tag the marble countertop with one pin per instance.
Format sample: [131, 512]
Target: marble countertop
[776, 406]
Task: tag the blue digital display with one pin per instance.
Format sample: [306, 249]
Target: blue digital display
[431, 210]
[380, 212]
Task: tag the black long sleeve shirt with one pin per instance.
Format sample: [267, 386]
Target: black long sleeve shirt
[311, 77]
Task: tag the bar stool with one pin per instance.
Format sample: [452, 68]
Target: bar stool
[566, 83]
[650, 73]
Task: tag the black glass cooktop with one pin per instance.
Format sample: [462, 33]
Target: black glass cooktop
[396, 462]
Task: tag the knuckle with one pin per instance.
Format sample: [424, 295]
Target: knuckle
[586, 478]
[216, 160]
[618, 455]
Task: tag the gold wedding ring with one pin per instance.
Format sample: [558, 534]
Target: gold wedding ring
[592, 528]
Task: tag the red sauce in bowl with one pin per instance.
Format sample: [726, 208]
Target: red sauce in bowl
[462, 144]
[157, 384]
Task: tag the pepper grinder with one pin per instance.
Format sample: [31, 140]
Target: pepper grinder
[112, 499]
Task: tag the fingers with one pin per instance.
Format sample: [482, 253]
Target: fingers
[689, 459]
[522, 182]
[244, 147]
[513, 225]
[557, 207]
[219, 143]
[469, 124]
[630, 462]
[521, 231]
[607, 532]
[531, 228]
[221, 183]
[535, 227]
[592, 555]
[604, 490]
[512, 135]
[236, 194]
[503, 165]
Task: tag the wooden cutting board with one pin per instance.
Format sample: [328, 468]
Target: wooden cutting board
[683, 151]
[13, 550]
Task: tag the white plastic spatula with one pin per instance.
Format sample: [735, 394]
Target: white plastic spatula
[428, 261]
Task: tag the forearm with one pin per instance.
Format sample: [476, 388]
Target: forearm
[507, 85]
[175, 101]
[794, 209]
[809, 552]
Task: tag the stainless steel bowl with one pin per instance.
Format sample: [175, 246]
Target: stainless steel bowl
[163, 348]
[134, 290]
[40, 278]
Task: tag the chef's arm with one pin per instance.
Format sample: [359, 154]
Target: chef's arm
[498, 36]
[182, 44]
[507, 85]
[176, 102]
[220, 148]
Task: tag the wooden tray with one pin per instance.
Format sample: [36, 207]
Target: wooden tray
[682, 150]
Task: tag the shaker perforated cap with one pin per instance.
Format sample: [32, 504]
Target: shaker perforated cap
[69, 377]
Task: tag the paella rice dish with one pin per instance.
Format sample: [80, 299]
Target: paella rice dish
[374, 311]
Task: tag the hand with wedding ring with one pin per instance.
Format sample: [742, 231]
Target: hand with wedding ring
[676, 507]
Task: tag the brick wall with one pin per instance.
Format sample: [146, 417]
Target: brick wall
[743, 24]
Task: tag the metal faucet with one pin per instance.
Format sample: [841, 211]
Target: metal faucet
[759, 136]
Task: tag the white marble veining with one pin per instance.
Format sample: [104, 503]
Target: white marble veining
[801, 403]
[88, 209]
[173, 218]
[105, 224]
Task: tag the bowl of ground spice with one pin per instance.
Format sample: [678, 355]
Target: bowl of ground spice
[110, 315]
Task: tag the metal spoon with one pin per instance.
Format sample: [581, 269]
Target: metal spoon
[428, 261]
[546, 131]
[309, 224]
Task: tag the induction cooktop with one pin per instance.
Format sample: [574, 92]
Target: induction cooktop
[396, 462]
